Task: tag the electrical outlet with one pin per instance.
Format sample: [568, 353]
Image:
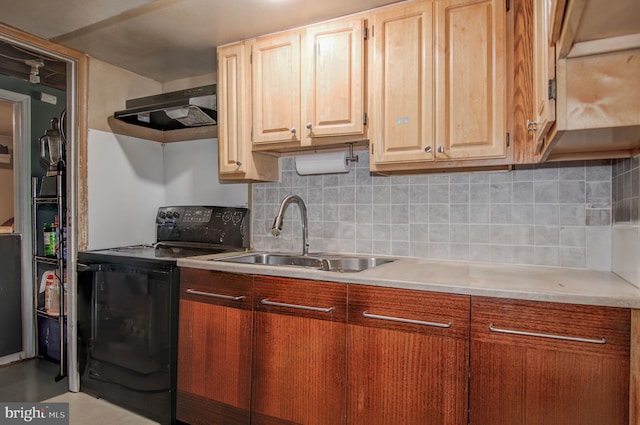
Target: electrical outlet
[48, 98]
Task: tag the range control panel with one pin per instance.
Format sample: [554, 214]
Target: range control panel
[204, 224]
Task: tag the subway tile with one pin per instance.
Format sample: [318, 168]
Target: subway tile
[331, 195]
[363, 177]
[347, 194]
[363, 246]
[572, 236]
[418, 213]
[382, 214]
[364, 214]
[546, 192]
[347, 230]
[523, 192]
[459, 251]
[572, 192]
[545, 172]
[439, 251]
[381, 247]
[399, 180]
[546, 235]
[419, 194]
[419, 249]
[438, 213]
[419, 232]
[364, 231]
[572, 171]
[523, 255]
[439, 179]
[347, 213]
[381, 195]
[459, 213]
[400, 248]
[523, 235]
[546, 214]
[523, 174]
[479, 233]
[330, 212]
[457, 178]
[400, 232]
[399, 214]
[459, 233]
[419, 179]
[381, 232]
[501, 213]
[573, 257]
[439, 194]
[572, 215]
[501, 193]
[479, 213]
[522, 213]
[546, 256]
[364, 195]
[399, 194]
[598, 173]
[459, 193]
[439, 233]
[331, 180]
[501, 254]
[479, 193]
[501, 234]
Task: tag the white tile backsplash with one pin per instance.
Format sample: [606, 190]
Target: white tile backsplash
[532, 215]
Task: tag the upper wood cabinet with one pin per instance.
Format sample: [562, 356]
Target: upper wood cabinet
[471, 79]
[586, 67]
[275, 91]
[439, 84]
[308, 86]
[333, 86]
[236, 160]
[403, 84]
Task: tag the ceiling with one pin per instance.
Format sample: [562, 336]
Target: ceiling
[166, 40]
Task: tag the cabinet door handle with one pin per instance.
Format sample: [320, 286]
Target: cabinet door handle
[293, 130]
[541, 335]
[299, 307]
[211, 295]
[403, 320]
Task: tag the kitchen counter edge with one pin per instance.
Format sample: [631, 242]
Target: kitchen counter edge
[534, 283]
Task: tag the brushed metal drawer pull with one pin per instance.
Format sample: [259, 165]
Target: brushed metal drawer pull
[299, 307]
[220, 296]
[402, 320]
[552, 336]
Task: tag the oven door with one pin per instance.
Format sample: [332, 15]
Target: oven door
[129, 330]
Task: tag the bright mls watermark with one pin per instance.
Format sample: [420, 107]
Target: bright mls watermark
[34, 413]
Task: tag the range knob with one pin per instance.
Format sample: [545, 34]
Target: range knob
[162, 214]
[176, 214]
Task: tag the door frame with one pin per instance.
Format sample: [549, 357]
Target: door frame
[77, 87]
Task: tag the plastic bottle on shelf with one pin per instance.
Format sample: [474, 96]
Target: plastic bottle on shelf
[50, 240]
[51, 285]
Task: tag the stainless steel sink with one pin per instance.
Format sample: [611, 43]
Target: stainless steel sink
[333, 263]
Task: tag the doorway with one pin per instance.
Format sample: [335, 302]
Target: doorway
[26, 101]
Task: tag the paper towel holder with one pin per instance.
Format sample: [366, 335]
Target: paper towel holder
[351, 158]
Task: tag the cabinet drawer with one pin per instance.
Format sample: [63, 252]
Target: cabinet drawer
[411, 311]
[567, 327]
[306, 298]
[211, 287]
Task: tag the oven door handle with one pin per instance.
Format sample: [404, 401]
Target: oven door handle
[81, 267]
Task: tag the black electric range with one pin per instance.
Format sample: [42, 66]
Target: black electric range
[128, 301]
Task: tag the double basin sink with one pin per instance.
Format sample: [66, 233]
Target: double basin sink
[326, 262]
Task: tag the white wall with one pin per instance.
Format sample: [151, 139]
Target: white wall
[125, 187]
[191, 176]
[130, 178]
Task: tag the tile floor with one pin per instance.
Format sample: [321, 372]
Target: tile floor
[33, 381]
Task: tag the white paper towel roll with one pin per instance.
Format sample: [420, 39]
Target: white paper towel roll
[322, 163]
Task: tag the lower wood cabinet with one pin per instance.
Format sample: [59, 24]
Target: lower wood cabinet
[408, 354]
[535, 363]
[299, 349]
[214, 348]
[276, 351]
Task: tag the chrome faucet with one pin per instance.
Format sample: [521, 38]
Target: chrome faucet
[277, 223]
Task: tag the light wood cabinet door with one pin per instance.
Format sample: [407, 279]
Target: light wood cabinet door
[299, 352]
[276, 86]
[333, 70]
[235, 159]
[543, 72]
[535, 363]
[234, 109]
[214, 348]
[471, 79]
[408, 357]
[402, 84]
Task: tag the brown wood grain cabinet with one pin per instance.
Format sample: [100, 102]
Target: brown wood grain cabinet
[299, 352]
[408, 357]
[214, 348]
[535, 363]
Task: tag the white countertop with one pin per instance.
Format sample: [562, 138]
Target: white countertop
[555, 284]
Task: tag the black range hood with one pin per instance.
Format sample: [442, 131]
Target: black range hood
[187, 108]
